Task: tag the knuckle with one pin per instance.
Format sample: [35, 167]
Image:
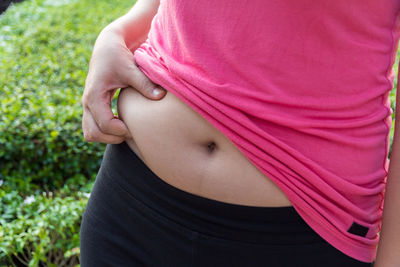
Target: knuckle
[119, 140]
[84, 100]
[140, 81]
[104, 127]
[88, 137]
[100, 124]
[116, 140]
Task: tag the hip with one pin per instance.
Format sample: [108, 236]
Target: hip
[134, 218]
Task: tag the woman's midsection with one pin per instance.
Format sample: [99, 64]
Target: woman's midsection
[187, 152]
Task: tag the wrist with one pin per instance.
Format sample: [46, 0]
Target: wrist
[134, 26]
[121, 30]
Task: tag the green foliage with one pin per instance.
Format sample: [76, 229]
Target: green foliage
[41, 228]
[45, 48]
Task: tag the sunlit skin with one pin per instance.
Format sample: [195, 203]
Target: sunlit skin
[177, 155]
[186, 151]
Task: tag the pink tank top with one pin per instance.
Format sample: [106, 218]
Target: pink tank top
[301, 87]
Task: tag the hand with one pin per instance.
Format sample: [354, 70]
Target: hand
[111, 67]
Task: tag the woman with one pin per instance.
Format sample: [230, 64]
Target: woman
[268, 148]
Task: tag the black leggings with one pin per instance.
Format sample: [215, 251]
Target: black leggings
[134, 218]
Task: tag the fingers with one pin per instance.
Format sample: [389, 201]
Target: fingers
[92, 133]
[99, 124]
[139, 81]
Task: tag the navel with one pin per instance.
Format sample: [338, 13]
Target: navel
[211, 147]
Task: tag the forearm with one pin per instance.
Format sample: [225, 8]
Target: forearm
[388, 254]
[135, 25]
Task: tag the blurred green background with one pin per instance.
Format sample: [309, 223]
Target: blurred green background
[46, 168]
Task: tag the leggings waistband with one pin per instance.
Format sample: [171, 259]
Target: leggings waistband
[204, 215]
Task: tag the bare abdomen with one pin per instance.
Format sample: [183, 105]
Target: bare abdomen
[187, 152]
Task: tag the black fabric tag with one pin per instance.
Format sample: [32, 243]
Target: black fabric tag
[358, 229]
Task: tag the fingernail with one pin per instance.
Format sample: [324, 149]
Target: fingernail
[157, 91]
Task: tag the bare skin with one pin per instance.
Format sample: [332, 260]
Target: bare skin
[186, 151]
[112, 67]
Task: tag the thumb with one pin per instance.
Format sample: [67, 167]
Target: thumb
[144, 85]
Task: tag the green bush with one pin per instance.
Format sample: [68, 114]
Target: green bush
[42, 228]
[45, 47]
